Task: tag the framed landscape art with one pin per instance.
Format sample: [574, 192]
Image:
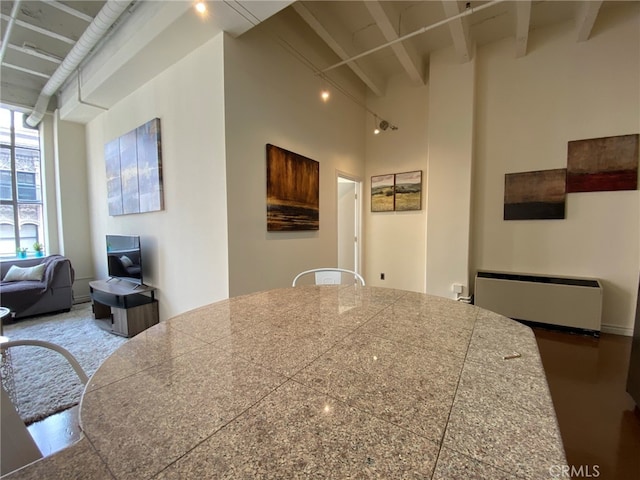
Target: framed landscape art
[396, 192]
[382, 190]
[408, 191]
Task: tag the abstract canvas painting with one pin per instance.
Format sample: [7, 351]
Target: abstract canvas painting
[114, 183]
[382, 193]
[293, 191]
[603, 164]
[535, 195]
[134, 171]
[149, 167]
[408, 191]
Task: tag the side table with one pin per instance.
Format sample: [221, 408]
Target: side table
[129, 308]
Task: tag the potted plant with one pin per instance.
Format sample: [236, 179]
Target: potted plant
[22, 252]
[39, 249]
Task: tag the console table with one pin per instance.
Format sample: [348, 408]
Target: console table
[131, 308]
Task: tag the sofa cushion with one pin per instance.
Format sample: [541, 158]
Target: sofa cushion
[17, 274]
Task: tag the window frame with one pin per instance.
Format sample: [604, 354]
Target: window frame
[23, 194]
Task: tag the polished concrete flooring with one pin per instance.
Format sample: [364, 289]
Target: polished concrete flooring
[599, 424]
[56, 432]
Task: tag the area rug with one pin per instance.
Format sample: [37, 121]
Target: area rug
[44, 381]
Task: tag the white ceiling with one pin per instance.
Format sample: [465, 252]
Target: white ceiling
[45, 32]
[351, 28]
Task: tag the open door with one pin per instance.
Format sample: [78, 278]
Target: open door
[349, 223]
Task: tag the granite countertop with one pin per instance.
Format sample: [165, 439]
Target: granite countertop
[325, 382]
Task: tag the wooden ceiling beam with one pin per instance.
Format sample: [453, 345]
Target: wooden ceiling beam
[339, 48]
[459, 30]
[43, 31]
[25, 70]
[523, 17]
[386, 16]
[69, 10]
[587, 15]
[35, 53]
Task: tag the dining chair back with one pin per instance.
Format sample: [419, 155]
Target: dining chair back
[18, 446]
[329, 276]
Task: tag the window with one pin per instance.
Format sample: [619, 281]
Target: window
[21, 209]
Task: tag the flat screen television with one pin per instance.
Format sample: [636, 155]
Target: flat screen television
[124, 258]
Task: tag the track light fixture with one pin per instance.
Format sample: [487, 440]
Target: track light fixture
[382, 125]
[201, 7]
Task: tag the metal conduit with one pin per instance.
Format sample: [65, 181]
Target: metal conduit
[91, 36]
[469, 11]
[7, 32]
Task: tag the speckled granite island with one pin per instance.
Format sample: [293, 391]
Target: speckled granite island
[323, 382]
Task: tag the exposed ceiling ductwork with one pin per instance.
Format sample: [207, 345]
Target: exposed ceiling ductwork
[100, 25]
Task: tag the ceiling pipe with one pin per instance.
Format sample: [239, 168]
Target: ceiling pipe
[468, 11]
[91, 36]
[7, 32]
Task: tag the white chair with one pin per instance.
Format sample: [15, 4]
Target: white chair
[18, 447]
[329, 276]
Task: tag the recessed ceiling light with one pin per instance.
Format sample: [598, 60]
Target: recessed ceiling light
[201, 7]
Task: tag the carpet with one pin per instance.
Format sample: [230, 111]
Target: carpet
[45, 383]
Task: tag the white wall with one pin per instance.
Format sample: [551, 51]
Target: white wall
[48, 152]
[472, 124]
[499, 114]
[272, 97]
[72, 202]
[395, 242]
[528, 109]
[451, 115]
[185, 245]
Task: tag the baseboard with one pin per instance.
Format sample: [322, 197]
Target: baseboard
[81, 299]
[617, 330]
[559, 328]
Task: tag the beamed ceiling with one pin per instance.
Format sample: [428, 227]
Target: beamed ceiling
[374, 39]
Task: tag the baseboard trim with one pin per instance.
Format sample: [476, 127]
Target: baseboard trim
[82, 299]
[617, 330]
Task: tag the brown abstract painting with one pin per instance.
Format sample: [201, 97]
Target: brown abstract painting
[603, 164]
[535, 195]
[293, 191]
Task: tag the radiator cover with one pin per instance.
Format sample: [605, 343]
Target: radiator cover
[557, 300]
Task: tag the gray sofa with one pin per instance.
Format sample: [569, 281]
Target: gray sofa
[54, 293]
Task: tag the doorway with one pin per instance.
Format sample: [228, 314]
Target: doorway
[349, 200]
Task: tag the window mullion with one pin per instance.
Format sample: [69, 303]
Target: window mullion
[14, 185]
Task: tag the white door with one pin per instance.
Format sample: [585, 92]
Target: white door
[348, 223]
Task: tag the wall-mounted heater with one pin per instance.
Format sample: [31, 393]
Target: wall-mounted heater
[564, 301]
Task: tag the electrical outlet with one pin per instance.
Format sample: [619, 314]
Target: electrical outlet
[456, 287]
[382, 276]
